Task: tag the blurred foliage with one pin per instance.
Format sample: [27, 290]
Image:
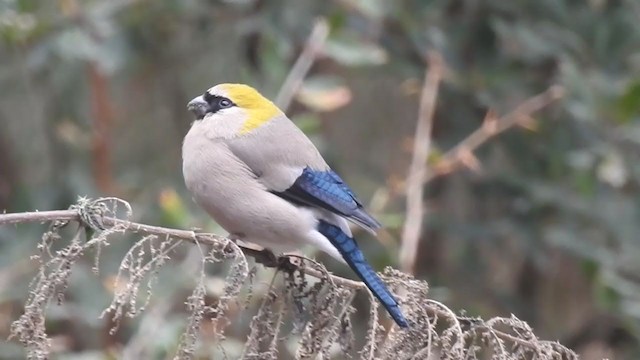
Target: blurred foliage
[547, 230]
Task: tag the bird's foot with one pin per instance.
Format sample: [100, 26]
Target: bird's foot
[267, 258]
[288, 263]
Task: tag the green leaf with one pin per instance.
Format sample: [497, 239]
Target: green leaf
[590, 267]
[607, 296]
[628, 106]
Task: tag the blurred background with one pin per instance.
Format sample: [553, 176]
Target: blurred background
[92, 102]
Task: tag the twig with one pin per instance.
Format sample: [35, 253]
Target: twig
[418, 169]
[38, 216]
[425, 353]
[300, 69]
[372, 336]
[462, 154]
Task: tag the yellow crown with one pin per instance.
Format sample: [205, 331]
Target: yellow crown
[260, 110]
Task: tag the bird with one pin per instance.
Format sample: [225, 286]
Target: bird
[263, 180]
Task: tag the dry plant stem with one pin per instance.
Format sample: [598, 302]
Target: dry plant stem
[279, 323]
[418, 169]
[462, 154]
[294, 79]
[374, 320]
[425, 353]
[192, 236]
[265, 299]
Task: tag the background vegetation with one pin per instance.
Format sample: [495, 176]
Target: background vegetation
[543, 226]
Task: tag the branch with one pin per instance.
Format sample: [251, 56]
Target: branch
[300, 69]
[462, 154]
[459, 156]
[260, 255]
[418, 169]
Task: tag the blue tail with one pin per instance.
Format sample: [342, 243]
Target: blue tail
[350, 251]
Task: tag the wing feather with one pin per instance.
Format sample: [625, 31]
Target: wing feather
[326, 190]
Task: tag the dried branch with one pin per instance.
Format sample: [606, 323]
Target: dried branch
[294, 79]
[418, 169]
[259, 254]
[324, 305]
[462, 154]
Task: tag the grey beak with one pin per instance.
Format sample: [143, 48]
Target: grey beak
[198, 107]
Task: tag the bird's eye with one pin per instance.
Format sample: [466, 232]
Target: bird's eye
[225, 103]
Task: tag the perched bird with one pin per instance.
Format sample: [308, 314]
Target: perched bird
[263, 181]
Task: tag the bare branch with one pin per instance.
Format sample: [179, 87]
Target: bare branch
[462, 154]
[294, 79]
[418, 169]
[263, 257]
[38, 216]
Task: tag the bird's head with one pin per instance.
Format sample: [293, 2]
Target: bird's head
[233, 109]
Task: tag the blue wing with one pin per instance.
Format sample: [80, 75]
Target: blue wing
[352, 254]
[326, 190]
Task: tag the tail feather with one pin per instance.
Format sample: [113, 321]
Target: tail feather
[366, 221]
[354, 257]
